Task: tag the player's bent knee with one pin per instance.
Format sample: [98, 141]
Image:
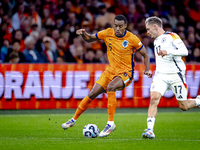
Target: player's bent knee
[92, 95]
[110, 88]
[154, 100]
[183, 107]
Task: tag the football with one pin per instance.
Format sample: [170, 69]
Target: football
[90, 131]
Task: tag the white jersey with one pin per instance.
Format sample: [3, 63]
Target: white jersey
[172, 62]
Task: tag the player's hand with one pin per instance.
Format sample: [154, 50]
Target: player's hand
[80, 31]
[162, 53]
[148, 74]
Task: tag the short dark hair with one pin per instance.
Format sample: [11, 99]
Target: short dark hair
[121, 17]
[15, 40]
[13, 55]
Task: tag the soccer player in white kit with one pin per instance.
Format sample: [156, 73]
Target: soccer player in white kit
[170, 71]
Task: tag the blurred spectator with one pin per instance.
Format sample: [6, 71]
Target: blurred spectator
[172, 17]
[19, 17]
[167, 27]
[73, 47]
[79, 55]
[195, 12]
[15, 48]
[62, 52]
[34, 17]
[90, 56]
[76, 7]
[4, 50]
[31, 55]
[86, 15]
[47, 54]
[131, 15]
[54, 10]
[100, 57]
[67, 10]
[48, 19]
[191, 40]
[55, 35]
[39, 45]
[196, 54]
[14, 58]
[19, 36]
[59, 22]
[119, 7]
[146, 43]
[104, 18]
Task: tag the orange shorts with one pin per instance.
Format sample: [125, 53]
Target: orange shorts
[107, 77]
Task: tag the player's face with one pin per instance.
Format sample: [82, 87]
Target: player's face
[119, 27]
[151, 30]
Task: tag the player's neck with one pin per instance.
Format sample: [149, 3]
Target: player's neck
[160, 32]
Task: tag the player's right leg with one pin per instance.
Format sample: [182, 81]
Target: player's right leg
[152, 113]
[84, 104]
[158, 88]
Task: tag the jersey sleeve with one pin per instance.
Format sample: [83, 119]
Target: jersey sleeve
[101, 34]
[137, 44]
[181, 49]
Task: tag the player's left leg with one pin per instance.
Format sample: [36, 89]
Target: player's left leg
[118, 83]
[179, 88]
[189, 103]
[84, 104]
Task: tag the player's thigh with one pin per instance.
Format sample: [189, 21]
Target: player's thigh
[159, 85]
[115, 84]
[104, 79]
[120, 82]
[179, 87]
[96, 90]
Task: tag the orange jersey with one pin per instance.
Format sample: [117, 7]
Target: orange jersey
[120, 51]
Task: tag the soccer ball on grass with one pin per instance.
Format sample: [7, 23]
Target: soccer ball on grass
[90, 131]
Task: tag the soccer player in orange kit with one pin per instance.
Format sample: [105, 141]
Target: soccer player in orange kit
[121, 45]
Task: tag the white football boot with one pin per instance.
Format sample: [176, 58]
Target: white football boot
[68, 124]
[148, 134]
[107, 130]
[198, 100]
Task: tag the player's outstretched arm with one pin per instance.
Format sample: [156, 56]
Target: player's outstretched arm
[144, 53]
[86, 36]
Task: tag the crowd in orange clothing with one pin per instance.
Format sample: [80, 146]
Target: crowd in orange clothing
[43, 31]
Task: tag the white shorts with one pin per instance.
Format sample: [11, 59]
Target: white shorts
[175, 82]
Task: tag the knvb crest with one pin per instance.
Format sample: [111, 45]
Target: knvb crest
[125, 43]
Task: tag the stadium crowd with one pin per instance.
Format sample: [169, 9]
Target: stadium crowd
[43, 31]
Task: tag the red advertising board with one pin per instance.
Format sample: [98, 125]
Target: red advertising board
[52, 86]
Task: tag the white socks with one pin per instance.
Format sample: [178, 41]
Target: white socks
[110, 122]
[150, 123]
[197, 102]
[73, 119]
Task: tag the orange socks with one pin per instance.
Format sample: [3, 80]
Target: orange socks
[112, 103]
[82, 107]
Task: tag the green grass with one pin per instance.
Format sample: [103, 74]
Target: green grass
[173, 130]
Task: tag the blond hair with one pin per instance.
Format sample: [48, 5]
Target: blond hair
[154, 20]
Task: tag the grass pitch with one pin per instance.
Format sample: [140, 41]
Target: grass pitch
[37, 131]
